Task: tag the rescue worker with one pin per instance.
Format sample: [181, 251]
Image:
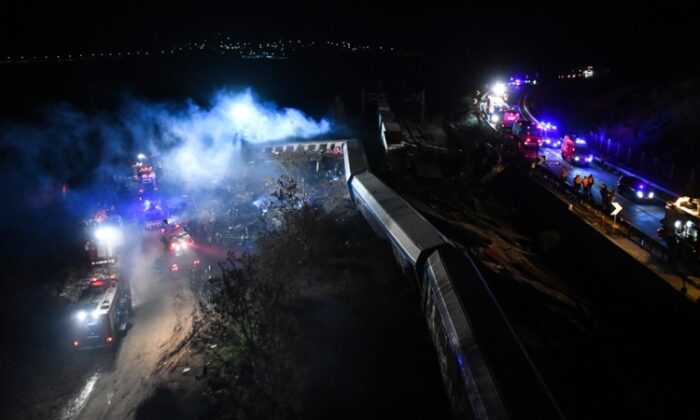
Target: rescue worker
[604, 196]
[591, 181]
[584, 183]
[564, 174]
[577, 183]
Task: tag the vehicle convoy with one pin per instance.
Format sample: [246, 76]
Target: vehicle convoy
[101, 313]
[679, 227]
[635, 189]
[576, 151]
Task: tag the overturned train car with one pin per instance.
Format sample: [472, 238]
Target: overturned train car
[486, 371]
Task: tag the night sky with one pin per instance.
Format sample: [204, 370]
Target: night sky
[502, 32]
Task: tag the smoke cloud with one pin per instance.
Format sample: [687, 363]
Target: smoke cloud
[197, 144]
[56, 170]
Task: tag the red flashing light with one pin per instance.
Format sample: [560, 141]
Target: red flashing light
[96, 283]
[76, 343]
[109, 339]
[196, 262]
[174, 268]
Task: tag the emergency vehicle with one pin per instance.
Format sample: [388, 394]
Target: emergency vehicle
[510, 117]
[103, 238]
[145, 175]
[180, 253]
[101, 313]
[527, 133]
[679, 227]
[153, 214]
[576, 151]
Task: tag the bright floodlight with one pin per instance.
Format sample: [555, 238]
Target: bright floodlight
[242, 112]
[81, 315]
[107, 234]
[494, 118]
[141, 156]
[499, 88]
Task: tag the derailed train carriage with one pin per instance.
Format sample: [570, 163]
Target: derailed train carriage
[486, 370]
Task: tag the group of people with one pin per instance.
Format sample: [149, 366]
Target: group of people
[585, 184]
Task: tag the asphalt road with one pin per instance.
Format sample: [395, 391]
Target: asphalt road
[644, 216]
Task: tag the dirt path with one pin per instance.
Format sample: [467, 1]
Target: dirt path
[150, 356]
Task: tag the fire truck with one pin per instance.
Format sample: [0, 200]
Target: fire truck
[103, 238]
[145, 175]
[101, 313]
[679, 227]
[153, 214]
[510, 117]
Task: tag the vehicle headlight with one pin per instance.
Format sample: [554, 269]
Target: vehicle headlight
[640, 194]
[576, 158]
[95, 313]
[81, 315]
[651, 194]
[678, 224]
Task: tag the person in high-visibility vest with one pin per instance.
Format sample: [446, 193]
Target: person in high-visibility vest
[577, 183]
